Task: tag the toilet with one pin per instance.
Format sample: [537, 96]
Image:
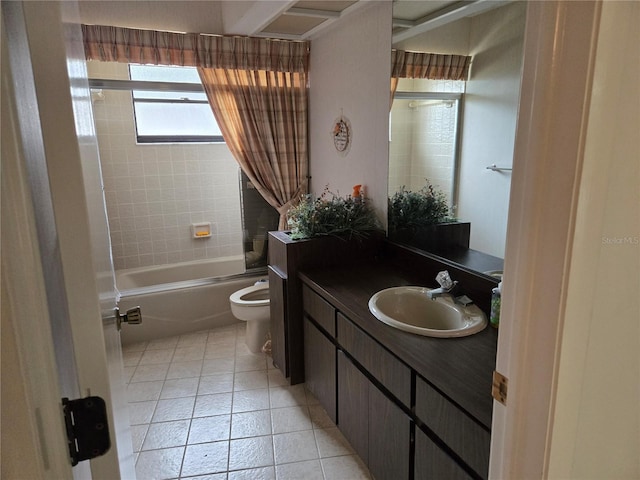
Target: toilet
[251, 305]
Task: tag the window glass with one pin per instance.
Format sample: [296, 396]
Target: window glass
[163, 116]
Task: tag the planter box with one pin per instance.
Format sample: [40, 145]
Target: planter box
[435, 238]
[288, 256]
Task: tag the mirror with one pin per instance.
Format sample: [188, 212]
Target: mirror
[473, 170]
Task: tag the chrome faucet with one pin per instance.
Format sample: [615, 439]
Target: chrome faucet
[447, 286]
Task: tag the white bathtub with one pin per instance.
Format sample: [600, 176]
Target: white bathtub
[181, 298]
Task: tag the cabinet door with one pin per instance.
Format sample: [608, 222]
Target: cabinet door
[431, 463]
[277, 284]
[353, 406]
[463, 435]
[320, 367]
[389, 438]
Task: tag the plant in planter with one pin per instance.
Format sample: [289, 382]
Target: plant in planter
[331, 214]
[412, 210]
[421, 219]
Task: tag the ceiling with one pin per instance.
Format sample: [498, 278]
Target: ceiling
[304, 18]
[287, 19]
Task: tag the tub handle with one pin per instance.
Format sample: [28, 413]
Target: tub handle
[133, 316]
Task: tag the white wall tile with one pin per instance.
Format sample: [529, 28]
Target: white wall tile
[154, 192]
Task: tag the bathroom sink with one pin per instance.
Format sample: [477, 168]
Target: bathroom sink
[410, 309]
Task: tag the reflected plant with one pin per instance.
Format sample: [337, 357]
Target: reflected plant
[331, 214]
[411, 210]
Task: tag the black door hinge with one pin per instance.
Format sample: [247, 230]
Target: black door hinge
[87, 428]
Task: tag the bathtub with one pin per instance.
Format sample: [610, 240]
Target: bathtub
[181, 298]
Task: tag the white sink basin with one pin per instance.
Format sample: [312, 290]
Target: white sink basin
[409, 309]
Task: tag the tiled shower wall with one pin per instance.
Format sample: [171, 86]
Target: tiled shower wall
[155, 192]
[422, 139]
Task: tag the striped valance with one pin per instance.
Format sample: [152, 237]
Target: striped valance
[433, 66]
[117, 44]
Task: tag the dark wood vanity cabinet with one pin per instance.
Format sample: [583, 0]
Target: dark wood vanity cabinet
[320, 351]
[286, 258]
[432, 463]
[460, 432]
[399, 424]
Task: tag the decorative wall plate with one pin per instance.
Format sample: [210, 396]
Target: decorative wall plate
[342, 135]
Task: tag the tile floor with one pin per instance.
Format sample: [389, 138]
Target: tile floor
[202, 406]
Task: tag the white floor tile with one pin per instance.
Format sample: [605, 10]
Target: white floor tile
[250, 380]
[191, 368]
[309, 470]
[174, 409]
[141, 412]
[250, 424]
[212, 366]
[210, 429]
[236, 414]
[187, 354]
[287, 396]
[143, 391]
[180, 387]
[331, 443]
[205, 458]
[290, 419]
[250, 400]
[155, 357]
[166, 434]
[264, 473]
[247, 363]
[215, 404]
[250, 453]
[138, 433]
[159, 464]
[150, 373]
[295, 447]
[349, 467]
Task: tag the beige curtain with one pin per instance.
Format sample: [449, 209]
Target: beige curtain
[432, 66]
[129, 45]
[263, 118]
[257, 89]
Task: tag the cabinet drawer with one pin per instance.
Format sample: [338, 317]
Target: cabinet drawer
[319, 310]
[432, 463]
[386, 368]
[454, 427]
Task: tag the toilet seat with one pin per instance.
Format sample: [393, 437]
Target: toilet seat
[253, 296]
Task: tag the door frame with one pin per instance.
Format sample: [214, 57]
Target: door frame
[559, 53]
[46, 32]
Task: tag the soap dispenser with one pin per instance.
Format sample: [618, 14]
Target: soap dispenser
[496, 297]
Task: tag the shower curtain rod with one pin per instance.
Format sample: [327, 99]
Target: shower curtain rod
[105, 84]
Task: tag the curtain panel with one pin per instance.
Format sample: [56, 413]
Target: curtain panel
[432, 66]
[129, 45]
[263, 118]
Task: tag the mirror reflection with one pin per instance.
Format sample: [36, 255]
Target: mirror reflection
[452, 142]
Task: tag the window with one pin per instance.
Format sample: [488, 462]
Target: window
[166, 116]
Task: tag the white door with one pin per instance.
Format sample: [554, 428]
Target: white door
[61, 158]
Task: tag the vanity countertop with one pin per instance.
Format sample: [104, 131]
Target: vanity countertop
[461, 368]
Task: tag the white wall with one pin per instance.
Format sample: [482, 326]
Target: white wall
[350, 70]
[494, 39]
[155, 192]
[490, 115]
[168, 15]
[596, 424]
